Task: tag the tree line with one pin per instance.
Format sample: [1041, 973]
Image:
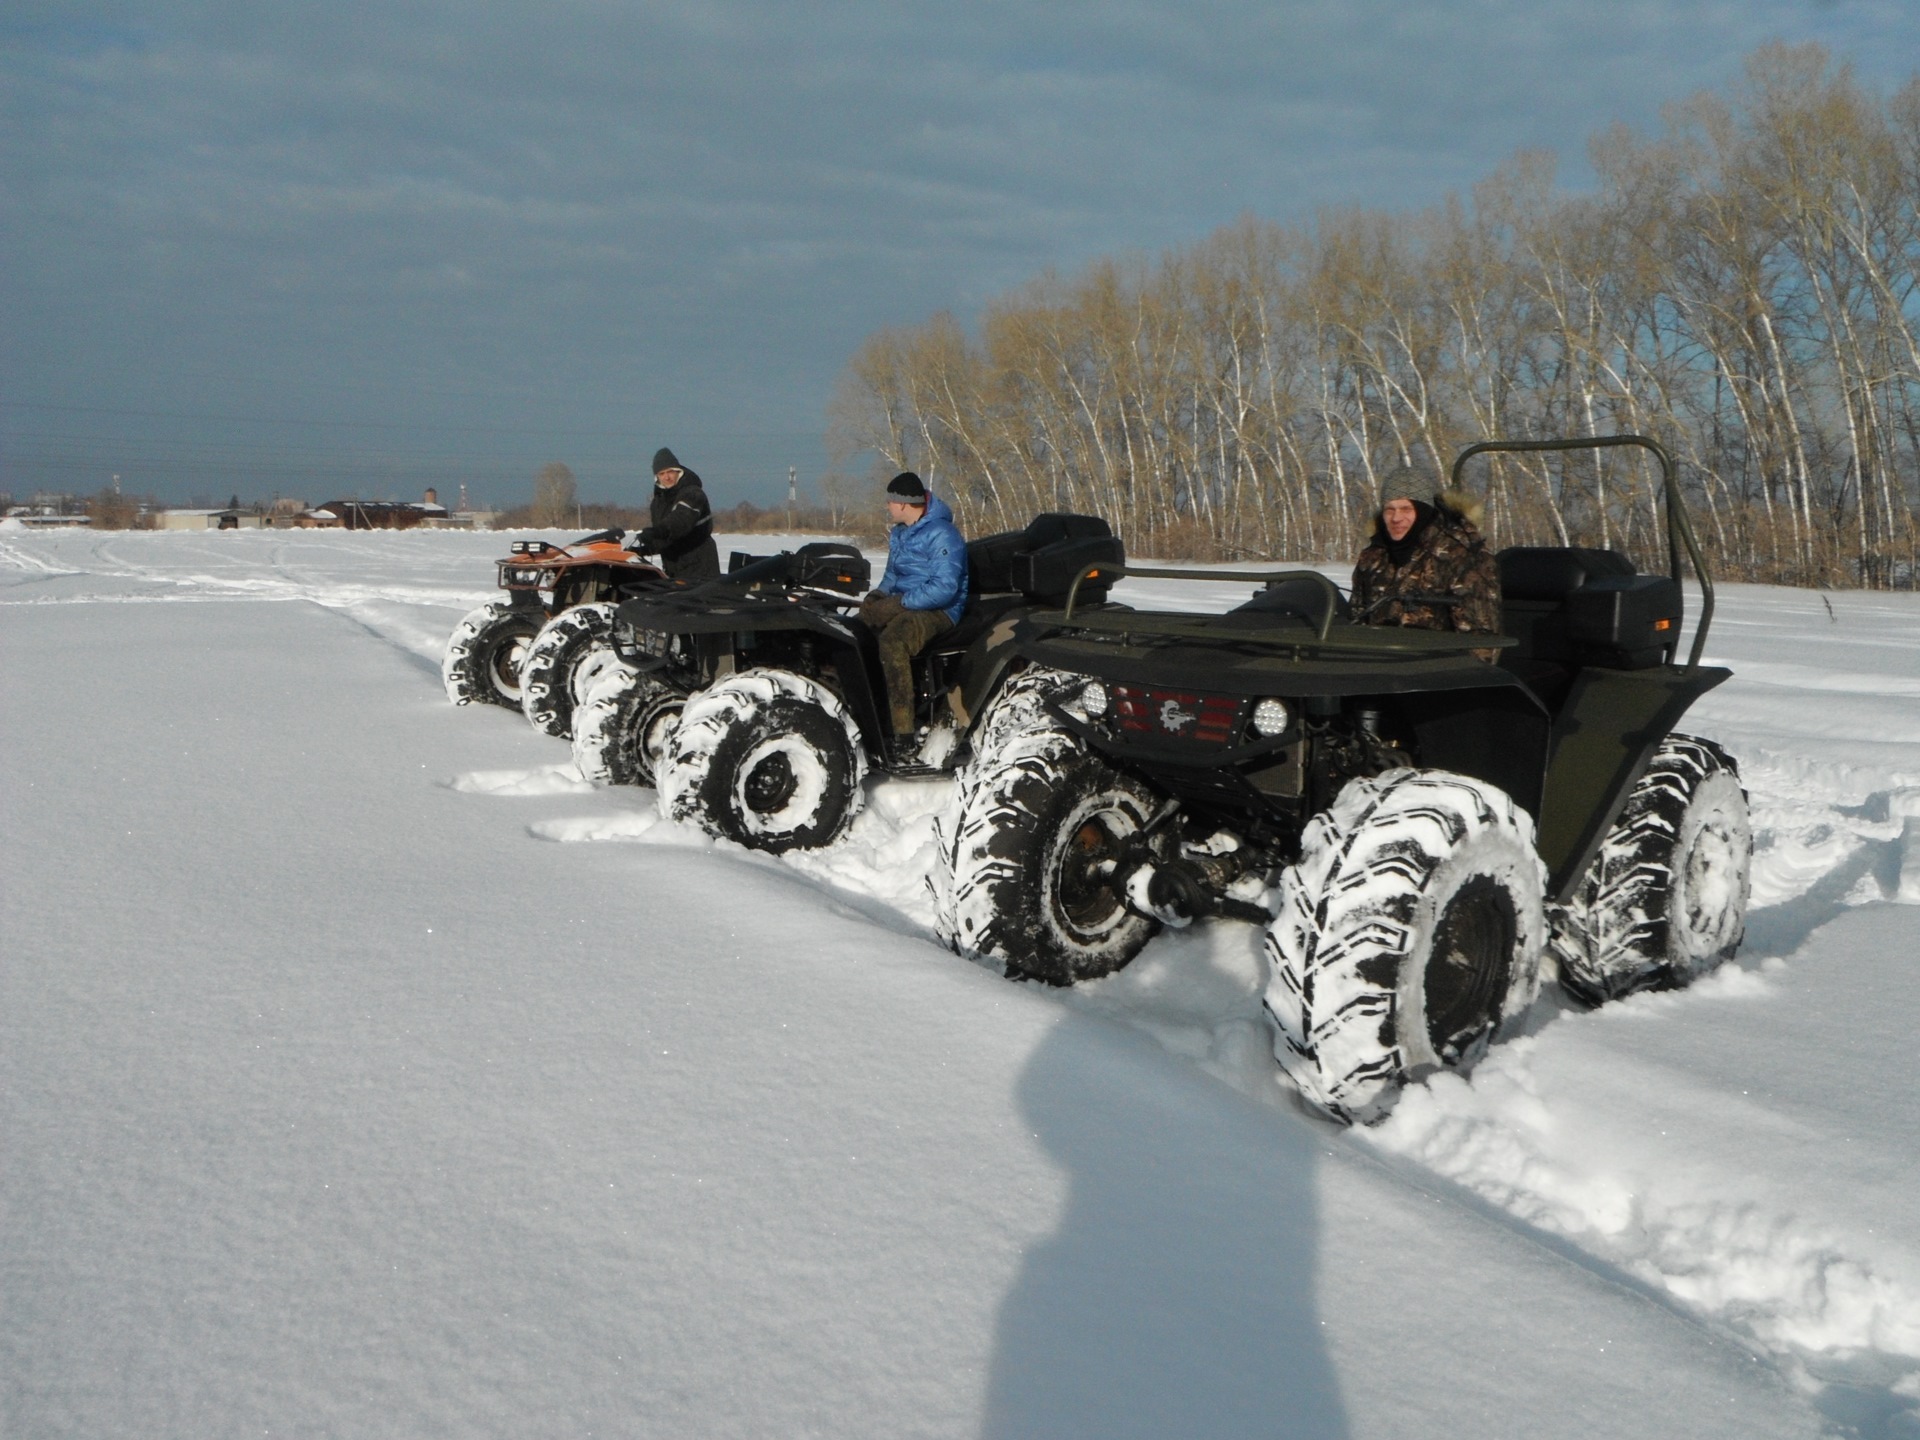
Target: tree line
[1741, 286]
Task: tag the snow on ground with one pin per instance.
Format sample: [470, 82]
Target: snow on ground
[352, 1083]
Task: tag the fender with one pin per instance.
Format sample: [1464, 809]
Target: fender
[1602, 739]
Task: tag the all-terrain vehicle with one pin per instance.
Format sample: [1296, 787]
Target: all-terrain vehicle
[784, 703]
[537, 649]
[1436, 823]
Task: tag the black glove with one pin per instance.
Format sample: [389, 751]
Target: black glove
[648, 541]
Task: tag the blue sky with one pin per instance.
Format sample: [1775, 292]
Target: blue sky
[357, 248]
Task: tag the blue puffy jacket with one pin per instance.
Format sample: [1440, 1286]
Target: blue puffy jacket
[927, 562]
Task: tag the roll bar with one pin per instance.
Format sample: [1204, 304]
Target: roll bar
[1679, 527]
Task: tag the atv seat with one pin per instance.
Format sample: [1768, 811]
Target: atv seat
[1299, 599]
[975, 621]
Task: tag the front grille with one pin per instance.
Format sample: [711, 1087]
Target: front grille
[1147, 713]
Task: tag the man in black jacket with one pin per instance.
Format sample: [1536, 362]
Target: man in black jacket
[681, 532]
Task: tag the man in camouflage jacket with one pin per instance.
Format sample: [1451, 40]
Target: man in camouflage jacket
[1425, 551]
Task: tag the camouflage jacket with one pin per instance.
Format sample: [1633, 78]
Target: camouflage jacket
[1449, 561]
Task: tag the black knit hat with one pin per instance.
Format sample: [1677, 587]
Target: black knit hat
[909, 487]
[663, 460]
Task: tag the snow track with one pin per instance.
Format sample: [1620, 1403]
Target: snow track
[1742, 1150]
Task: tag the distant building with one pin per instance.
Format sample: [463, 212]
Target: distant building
[375, 514]
[48, 508]
[205, 520]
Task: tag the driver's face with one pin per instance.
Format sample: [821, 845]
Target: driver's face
[902, 513]
[668, 478]
[1398, 517]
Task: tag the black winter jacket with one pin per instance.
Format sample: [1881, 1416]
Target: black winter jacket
[681, 532]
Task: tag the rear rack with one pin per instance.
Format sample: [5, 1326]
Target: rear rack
[1107, 568]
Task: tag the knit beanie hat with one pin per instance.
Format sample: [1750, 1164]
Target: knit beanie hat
[908, 487]
[663, 460]
[1403, 482]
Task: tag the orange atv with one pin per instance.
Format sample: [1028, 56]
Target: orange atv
[538, 647]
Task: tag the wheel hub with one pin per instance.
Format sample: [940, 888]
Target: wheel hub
[1088, 900]
[770, 784]
[1467, 974]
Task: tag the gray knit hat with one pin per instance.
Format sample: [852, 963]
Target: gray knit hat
[1403, 482]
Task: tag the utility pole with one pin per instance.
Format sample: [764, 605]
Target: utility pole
[793, 474]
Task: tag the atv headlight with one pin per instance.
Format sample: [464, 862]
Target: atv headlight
[1271, 717]
[524, 577]
[1088, 703]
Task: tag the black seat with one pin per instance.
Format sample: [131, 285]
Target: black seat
[975, 621]
[1548, 572]
[1300, 598]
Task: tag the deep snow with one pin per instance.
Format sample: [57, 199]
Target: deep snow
[336, 1099]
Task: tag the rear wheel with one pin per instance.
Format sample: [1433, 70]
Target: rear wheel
[1665, 900]
[767, 758]
[1033, 848]
[622, 730]
[484, 654]
[1409, 933]
[571, 651]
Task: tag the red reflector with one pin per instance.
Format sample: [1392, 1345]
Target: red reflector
[1180, 714]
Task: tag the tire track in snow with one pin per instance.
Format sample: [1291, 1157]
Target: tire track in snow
[1802, 1293]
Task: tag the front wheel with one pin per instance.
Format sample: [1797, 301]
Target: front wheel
[767, 758]
[622, 730]
[484, 654]
[1665, 900]
[1033, 848]
[1408, 934]
[572, 650]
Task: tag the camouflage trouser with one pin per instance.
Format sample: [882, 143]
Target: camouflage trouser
[903, 634]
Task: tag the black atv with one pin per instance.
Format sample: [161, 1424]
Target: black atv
[782, 707]
[1435, 823]
[539, 647]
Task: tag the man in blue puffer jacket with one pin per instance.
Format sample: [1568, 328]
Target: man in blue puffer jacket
[922, 592]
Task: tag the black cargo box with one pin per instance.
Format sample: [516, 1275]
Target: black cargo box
[831, 565]
[1046, 575]
[1041, 560]
[1629, 622]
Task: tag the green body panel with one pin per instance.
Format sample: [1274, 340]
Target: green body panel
[1245, 654]
[1602, 739]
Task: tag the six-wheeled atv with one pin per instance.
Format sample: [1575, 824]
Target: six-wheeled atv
[1435, 823]
[784, 704]
[538, 648]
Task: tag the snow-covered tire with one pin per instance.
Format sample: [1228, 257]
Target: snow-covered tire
[1408, 934]
[768, 758]
[1034, 820]
[572, 650]
[622, 730]
[484, 654]
[1665, 899]
[1019, 707]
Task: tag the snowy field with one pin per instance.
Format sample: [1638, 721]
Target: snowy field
[364, 1073]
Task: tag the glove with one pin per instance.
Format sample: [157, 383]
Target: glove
[879, 610]
[648, 541]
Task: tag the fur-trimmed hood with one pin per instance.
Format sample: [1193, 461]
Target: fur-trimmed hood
[1461, 505]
